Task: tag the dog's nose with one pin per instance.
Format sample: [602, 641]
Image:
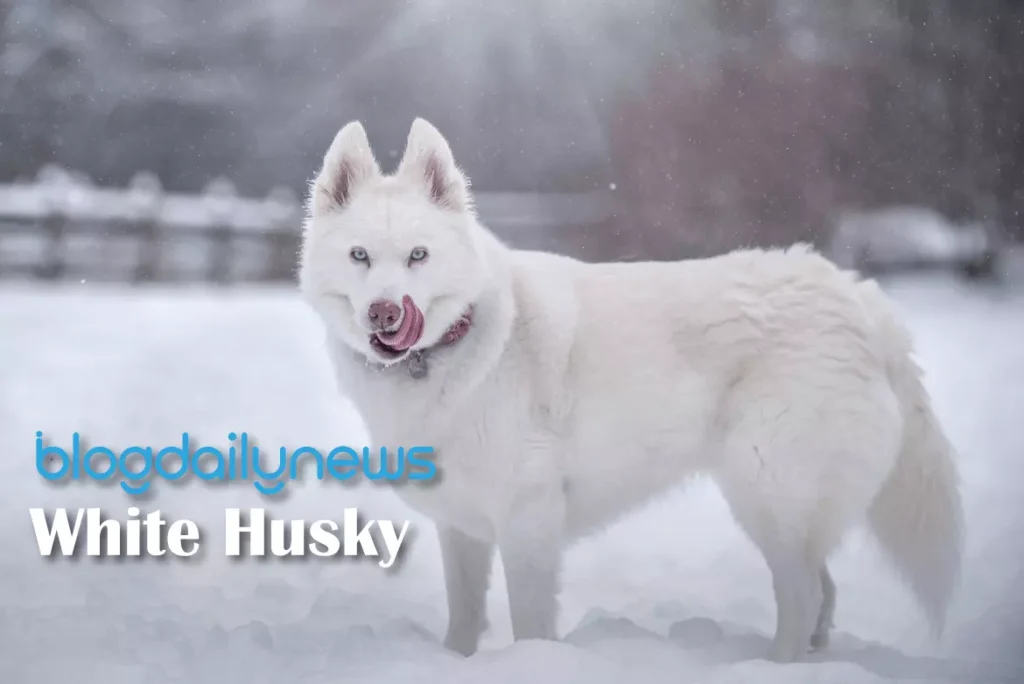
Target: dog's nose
[384, 313]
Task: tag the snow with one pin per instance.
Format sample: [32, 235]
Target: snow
[671, 594]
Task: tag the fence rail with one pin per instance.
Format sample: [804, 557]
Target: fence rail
[62, 226]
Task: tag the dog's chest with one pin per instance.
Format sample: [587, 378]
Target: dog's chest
[484, 436]
[478, 454]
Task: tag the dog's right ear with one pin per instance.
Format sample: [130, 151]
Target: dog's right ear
[428, 163]
[348, 164]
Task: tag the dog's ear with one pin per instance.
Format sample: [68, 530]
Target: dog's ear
[349, 163]
[428, 162]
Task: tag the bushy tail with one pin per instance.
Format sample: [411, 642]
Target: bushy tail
[917, 516]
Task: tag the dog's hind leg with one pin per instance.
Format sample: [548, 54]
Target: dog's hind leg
[798, 472]
[778, 524]
[795, 534]
[819, 639]
[798, 599]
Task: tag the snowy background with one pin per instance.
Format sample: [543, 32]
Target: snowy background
[656, 129]
[672, 594]
[690, 108]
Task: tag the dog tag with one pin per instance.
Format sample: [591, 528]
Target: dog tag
[418, 365]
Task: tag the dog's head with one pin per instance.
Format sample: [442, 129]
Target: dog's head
[391, 262]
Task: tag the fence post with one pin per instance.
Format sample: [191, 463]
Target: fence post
[146, 195]
[53, 265]
[284, 213]
[219, 197]
[56, 185]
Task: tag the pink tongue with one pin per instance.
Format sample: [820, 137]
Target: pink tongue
[409, 332]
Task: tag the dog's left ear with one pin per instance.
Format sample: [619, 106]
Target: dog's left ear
[348, 164]
[428, 162]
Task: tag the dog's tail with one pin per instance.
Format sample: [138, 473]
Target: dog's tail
[917, 516]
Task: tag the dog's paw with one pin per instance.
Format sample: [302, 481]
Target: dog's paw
[819, 640]
[462, 646]
[463, 641]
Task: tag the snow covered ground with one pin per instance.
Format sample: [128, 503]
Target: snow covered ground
[672, 594]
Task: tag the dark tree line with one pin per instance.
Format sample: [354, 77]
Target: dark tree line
[915, 102]
[256, 90]
[717, 122]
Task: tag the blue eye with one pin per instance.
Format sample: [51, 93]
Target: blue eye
[359, 254]
[418, 254]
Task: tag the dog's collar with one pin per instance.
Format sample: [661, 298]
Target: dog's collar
[416, 361]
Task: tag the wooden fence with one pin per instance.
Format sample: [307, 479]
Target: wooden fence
[61, 226]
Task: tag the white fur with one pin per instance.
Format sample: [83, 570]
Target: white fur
[584, 390]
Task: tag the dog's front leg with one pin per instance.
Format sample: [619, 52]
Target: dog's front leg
[531, 543]
[467, 572]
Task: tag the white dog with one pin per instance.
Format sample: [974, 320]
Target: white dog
[561, 395]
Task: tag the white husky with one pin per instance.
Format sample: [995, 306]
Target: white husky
[561, 395]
